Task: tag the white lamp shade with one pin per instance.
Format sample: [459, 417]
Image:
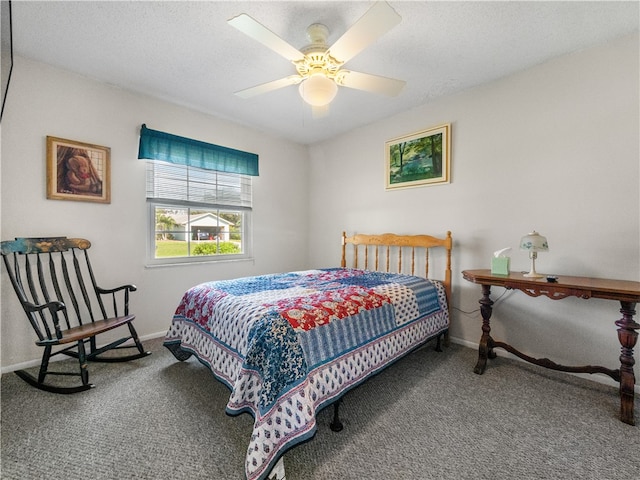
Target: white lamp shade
[318, 90]
[534, 242]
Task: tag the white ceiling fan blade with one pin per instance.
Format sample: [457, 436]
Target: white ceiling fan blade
[377, 21]
[262, 34]
[269, 86]
[370, 83]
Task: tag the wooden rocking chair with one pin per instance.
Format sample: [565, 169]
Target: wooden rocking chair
[55, 284]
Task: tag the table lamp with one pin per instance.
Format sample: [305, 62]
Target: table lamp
[534, 243]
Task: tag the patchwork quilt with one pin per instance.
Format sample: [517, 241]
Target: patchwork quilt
[289, 344]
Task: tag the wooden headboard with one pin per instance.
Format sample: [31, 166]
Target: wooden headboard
[387, 251]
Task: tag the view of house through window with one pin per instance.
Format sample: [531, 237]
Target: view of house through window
[186, 232]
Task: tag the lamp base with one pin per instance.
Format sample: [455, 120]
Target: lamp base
[533, 275]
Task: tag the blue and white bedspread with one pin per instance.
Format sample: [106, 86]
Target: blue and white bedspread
[288, 344]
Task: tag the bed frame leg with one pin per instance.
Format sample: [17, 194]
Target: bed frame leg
[439, 342]
[336, 424]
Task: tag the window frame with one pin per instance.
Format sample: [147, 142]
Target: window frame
[154, 203]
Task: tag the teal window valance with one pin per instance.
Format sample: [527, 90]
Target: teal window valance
[155, 145]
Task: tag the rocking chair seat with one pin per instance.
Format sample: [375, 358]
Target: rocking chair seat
[81, 332]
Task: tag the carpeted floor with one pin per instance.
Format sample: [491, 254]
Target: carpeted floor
[426, 417]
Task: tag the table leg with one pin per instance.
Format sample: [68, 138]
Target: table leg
[628, 336]
[486, 348]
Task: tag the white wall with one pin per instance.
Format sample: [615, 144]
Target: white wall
[554, 148]
[46, 101]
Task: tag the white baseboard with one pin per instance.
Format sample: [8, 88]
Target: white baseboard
[604, 379]
[151, 336]
[36, 362]
[599, 378]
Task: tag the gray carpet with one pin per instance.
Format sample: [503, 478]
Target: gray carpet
[426, 417]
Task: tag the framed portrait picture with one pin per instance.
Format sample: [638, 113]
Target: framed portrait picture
[421, 158]
[78, 171]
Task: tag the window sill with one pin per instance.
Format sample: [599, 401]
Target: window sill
[179, 262]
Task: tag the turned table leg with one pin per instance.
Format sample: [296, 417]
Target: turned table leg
[628, 336]
[486, 348]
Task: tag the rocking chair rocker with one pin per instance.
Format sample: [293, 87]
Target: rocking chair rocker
[55, 284]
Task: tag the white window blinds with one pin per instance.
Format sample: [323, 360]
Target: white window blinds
[191, 186]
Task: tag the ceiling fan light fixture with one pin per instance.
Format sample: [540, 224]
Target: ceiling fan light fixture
[318, 90]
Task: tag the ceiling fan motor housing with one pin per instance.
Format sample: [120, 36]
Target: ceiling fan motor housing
[316, 55]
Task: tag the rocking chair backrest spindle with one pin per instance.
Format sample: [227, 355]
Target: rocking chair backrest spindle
[45, 270]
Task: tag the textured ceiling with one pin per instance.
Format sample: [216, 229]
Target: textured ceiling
[186, 53]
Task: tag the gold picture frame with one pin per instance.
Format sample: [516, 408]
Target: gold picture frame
[421, 158]
[78, 171]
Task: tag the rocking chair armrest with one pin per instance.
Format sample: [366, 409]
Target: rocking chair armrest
[131, 288]
[53, 306]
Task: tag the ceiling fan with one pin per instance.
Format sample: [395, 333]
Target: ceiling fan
[319, 66]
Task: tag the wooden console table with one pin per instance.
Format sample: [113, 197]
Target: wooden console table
[626, 292]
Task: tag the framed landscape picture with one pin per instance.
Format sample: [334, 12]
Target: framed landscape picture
[78, 171]
[421, 158]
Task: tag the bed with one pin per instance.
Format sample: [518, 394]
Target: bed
[289, 344]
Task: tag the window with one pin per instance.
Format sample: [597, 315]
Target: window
[196, 214]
